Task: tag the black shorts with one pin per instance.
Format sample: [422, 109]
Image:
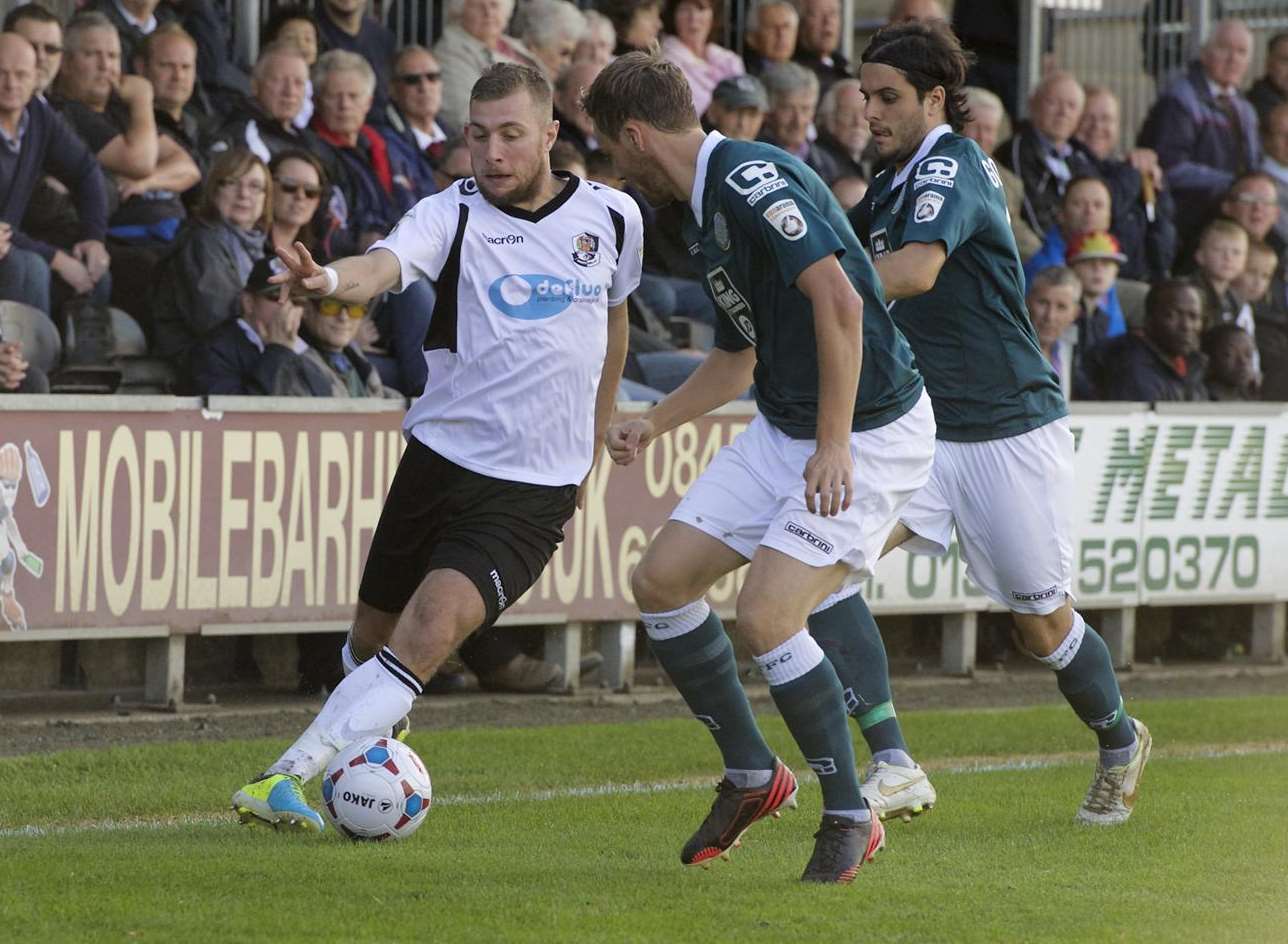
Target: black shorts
[440, 516]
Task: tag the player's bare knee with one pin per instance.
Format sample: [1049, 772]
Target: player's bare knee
[1042, 633]
[762, 625]
[657, 591]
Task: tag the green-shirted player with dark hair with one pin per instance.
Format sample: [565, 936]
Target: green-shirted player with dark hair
[809, 492]
[937, 226]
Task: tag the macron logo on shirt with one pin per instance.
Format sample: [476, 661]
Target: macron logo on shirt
[534, 297]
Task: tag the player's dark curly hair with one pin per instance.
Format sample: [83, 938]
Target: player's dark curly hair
[928, 54]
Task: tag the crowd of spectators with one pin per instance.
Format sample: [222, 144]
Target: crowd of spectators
[147, 180]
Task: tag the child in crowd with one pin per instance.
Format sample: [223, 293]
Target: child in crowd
[1095, 258]
[1252, 286]
[1221, 257]
[1231, 373]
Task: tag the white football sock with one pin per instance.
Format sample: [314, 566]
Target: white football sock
[347, 658]
[366, 704]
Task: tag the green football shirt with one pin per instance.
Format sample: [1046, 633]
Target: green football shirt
[759, 217]
[975, 345]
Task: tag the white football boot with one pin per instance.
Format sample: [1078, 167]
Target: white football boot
[1112, 793]
[892, 790]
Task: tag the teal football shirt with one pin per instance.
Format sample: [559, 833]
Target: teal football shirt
[975, 345]
[765, 218]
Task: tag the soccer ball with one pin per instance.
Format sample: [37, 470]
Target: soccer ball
[376, 789]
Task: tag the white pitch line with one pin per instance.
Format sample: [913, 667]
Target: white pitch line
[981, 765]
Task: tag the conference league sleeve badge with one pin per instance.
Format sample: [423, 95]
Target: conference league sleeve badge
[928, 206]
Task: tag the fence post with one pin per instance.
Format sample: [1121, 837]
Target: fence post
[563, 648]
[957, 651]
[1268, 621]
[617, 646]
[1118, 627]
[163, 671]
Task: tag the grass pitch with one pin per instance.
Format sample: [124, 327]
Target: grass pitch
[566, 834]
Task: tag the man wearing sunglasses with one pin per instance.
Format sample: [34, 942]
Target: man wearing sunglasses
[524, 354]
[261, 352]
[416, 94]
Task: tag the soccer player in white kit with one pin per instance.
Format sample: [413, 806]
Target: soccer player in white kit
[524, 352]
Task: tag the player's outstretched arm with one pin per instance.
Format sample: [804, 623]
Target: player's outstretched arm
[720, 377]
[838, 334]
[352, 279]
[911, 270]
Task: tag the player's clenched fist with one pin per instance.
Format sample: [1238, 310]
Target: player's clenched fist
[627, 440]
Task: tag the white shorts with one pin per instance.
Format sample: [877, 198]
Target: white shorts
[753, 493]
[1011, 501]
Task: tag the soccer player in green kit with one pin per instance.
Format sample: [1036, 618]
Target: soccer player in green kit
[936, 224]
[809, 492]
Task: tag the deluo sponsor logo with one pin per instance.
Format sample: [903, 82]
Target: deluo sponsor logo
[532, 297]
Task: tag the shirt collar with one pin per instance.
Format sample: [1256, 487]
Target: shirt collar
[929, 141]
[1050, 147]
[1218, 90]
[144, 27]
[14, 144]
[424, 140]
[700, 172]
[1275, 169]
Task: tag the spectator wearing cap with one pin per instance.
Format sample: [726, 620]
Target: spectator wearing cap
[1144, 213]
[987, 119]
[1203, 129]
[843, 128]
[1271, 90]
[346, 25]
[1274, 139]
[689, 26]
[35, 142]
[793, 98]
[199, 281]
[738, 108]
[329, 330]
[1161, 364]
[818, 42]
[267, 123]
[1231, 363]
[1043, 152]
[574, 123]
[473, 40]
[1086, 207]
[259, 352]
[772, 26]
[412, 113]
[1095, 259]
[549, 30]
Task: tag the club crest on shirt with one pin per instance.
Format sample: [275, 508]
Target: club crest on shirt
[928, 205]
[585, 249]
[880, 243]
[720, 228]
[785, 216]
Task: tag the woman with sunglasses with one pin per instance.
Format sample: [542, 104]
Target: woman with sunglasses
[299, 183]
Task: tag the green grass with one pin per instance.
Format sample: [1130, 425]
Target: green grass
[1205, 858]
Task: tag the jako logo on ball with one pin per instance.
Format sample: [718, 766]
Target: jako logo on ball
[534, 297]
[376, 789]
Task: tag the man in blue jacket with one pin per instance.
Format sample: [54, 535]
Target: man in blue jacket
[34, 142]
[1204, 130]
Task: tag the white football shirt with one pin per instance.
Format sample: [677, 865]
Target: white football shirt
[520, 327]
